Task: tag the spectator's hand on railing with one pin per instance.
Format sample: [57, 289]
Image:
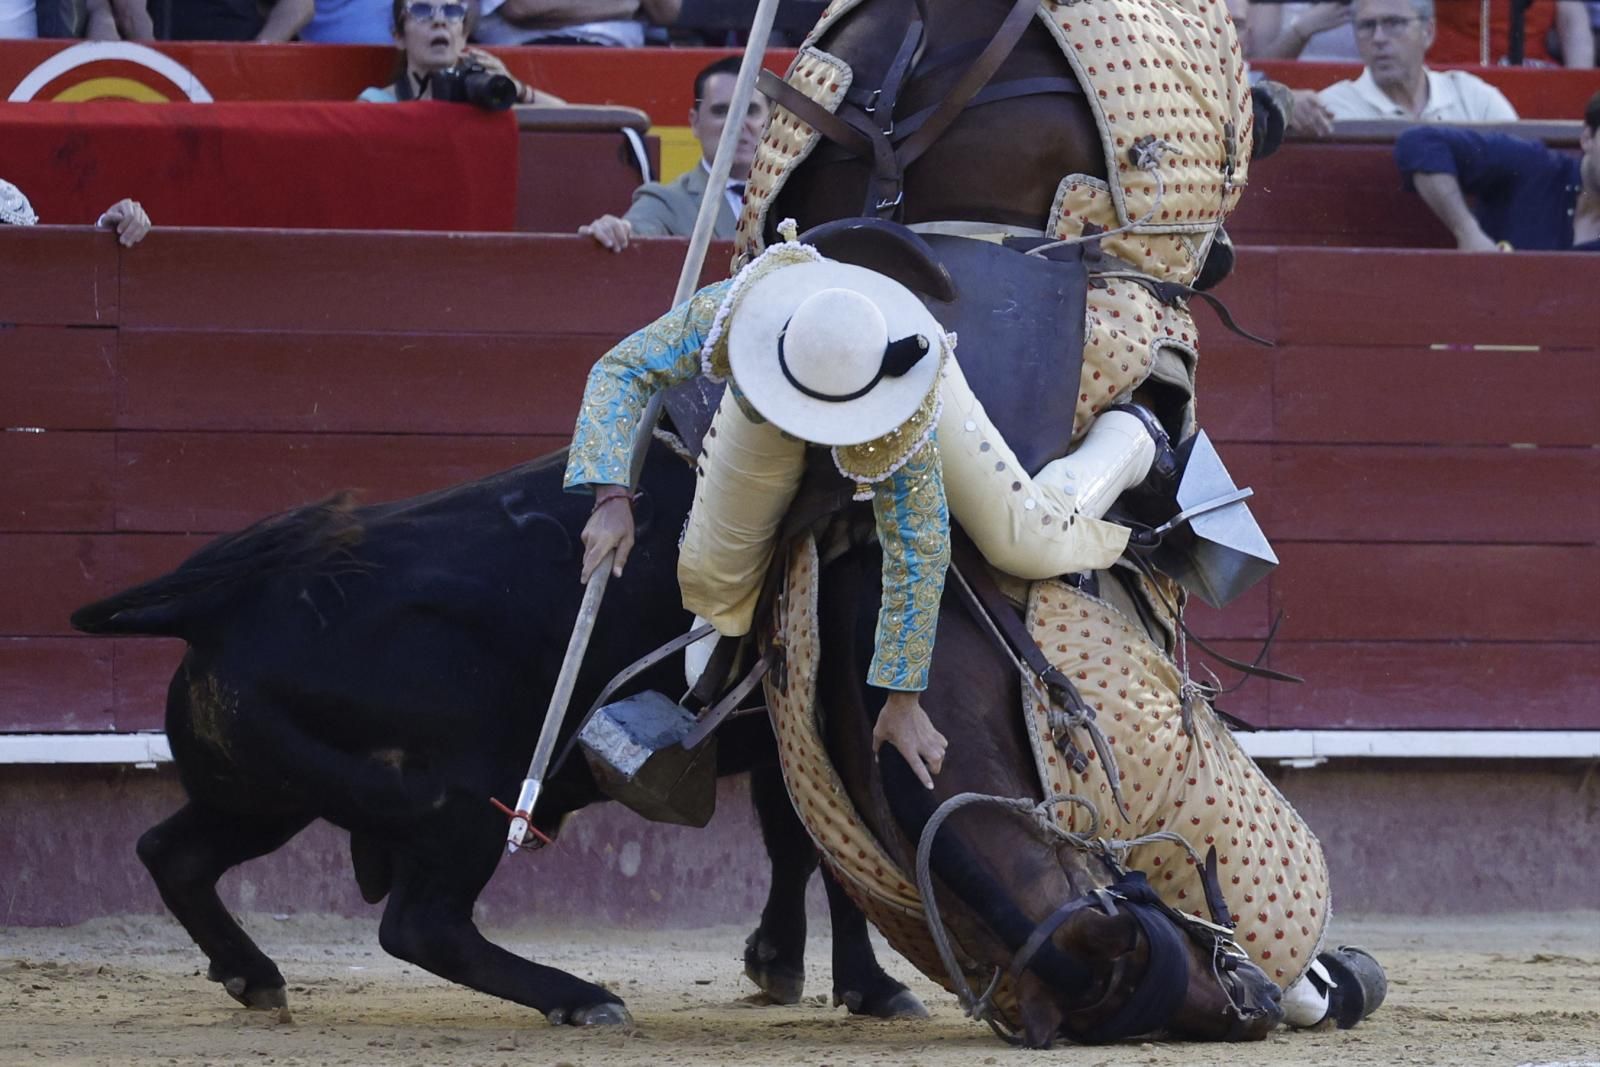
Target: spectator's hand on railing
[609, 231]
[1479, 242]
[1310, 118]
[127, 217]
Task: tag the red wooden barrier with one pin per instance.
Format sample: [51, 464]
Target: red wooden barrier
[354, 166]
[1432, 501]
[655, 80]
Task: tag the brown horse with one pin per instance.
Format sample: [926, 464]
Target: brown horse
[1104, 973]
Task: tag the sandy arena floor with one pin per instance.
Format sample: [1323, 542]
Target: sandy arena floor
[1522, 990]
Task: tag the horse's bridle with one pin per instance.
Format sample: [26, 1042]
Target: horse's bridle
[1161, 991]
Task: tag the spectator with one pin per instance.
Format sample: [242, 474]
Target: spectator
[1529, 196]
[126, 217]
[350, 22]
[1463, 38]
[197, 20]
[18, 18]
[1394, 36]
[96, 20]
[1554, 37]
[1319, 30]
[669, 210]
[432, 36]
[617, 23]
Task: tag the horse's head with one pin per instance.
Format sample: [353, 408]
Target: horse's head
[1092, 951]
[1120, 964]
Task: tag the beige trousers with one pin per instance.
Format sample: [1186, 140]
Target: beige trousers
[748, 474]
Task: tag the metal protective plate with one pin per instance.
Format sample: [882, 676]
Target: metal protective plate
[1224, 551]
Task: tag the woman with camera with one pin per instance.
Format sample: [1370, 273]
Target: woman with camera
[436, 64]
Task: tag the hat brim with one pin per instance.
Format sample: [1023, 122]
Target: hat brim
[760, 316]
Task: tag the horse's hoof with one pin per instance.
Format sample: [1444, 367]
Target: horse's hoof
[1360, 984]
[608, 1014]
[902, 1005]
[261, 998]
[778, 983]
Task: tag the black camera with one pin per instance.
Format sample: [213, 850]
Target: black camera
[474, 83]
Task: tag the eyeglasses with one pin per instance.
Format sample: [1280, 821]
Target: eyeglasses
[422, 11]
[1391, 24]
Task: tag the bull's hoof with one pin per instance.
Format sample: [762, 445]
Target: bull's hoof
[260, 998]
[902, 1004]
[608, 1014]
[1360, 984]
[780, 983]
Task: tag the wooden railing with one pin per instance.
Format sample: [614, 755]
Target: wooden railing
[1422, 442]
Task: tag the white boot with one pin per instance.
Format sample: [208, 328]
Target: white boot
[697, 655]
[1306, 1002]
[1114, 456]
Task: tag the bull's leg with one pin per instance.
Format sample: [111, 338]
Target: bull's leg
[858, 982]
[428, 921]
[186, 855]
[775, 954]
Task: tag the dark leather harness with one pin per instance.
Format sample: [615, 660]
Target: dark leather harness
[866, 126]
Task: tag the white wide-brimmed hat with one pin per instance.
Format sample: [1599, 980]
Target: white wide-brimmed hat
[833, 353]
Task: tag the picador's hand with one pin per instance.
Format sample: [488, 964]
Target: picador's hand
[609, 528]
[907, 727]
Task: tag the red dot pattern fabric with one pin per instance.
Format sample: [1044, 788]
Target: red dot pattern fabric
[1203, 786]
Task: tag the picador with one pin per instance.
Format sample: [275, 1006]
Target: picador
[1015, 378]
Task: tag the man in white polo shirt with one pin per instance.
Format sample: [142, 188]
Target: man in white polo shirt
[1393, 36]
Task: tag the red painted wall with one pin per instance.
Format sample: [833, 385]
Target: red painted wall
[1429, 490]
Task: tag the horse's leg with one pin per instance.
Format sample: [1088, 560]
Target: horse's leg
[775, 953]
[428, 921]
[186, 854]
[858, 982]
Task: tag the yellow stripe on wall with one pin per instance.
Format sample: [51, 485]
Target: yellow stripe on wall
[679, 150]
[110, 89]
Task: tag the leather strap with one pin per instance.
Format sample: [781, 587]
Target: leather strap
[1253, 669]
[880, 102]
[991, 94]
[1046, 929]
[1173, 294]
[710, 719]
[813, 114]
[977, 76]
[966, 558]
[627, 674]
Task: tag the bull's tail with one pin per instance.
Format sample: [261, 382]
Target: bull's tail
[301, 539]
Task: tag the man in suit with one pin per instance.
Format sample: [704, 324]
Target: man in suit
[662, 210]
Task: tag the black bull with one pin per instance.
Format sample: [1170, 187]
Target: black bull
[386, 668]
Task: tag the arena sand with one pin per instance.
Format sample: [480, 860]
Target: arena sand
[1490, 991]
